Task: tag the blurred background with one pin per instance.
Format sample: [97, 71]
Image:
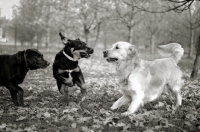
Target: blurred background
[100, 23]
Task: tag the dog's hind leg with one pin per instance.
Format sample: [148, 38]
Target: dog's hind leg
[121, 101]
[63, 89]
[175, 89]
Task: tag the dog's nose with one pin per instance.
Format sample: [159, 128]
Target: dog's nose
[91, 51]
[105, 53]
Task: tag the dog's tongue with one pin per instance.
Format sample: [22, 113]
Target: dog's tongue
[111, 59]
[85, 55]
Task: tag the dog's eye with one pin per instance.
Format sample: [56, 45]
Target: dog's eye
[117, 47]
[39, 58]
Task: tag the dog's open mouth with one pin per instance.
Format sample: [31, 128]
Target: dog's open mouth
[84, 55]
[112, 59]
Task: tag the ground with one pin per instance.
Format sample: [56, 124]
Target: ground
[49, 112]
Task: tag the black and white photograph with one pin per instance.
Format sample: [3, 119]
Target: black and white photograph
[99, 65]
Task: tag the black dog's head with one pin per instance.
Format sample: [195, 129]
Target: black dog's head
[35, 59]
[76, 48]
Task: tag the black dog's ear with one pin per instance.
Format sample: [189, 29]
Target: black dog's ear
[30, 56]
[69, 40]
[20, 56]
[62, 38]
[69, 43]
[78, 39]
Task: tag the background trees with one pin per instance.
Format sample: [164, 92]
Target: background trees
[143, 23]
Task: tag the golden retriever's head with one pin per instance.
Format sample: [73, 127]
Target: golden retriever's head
[120, 51]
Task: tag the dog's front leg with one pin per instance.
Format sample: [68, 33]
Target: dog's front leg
[82, 87]
[121, 101]
[137, 98]
[80, 81]
[13, 94]
[14, 90]
[21, 97]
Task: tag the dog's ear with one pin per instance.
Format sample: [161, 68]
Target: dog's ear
[69, 43]
[20, 56]
[69, 40]
[132, 51]
[78, 39]
[62, 38]
[30, 57]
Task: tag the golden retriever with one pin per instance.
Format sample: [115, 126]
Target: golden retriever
[142, 81]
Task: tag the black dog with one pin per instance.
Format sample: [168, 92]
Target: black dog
[13, 69]
[66, 70]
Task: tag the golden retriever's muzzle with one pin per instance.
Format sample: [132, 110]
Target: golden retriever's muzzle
[109, 59]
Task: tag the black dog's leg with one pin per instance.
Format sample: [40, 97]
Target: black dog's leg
[21, 96]
[13, 94]
[80, 81]
[14, 90]
[63, 90]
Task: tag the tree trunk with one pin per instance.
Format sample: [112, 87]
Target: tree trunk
[38, 41]
[152, 43]
[191, 34]
[105, 40]
[15, 36]
[171, 36]
[31, 42]
[47, 37]
[86, 33]
[130, 34]
[196, 62]
[191, 43]
[97, 33]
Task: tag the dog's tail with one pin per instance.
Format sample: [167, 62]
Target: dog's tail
[172, 50]
[62, 38]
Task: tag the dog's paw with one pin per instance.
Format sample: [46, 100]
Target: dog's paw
[24, 105]
[113, 107]
[125, 114]
[83, 92]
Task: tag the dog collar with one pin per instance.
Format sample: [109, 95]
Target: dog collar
[69, 71]
[27, 67]
[69, 57]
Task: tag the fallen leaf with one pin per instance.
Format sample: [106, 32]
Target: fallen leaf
[74, 125]
[2, 126]
[47, 114]
[21, 118]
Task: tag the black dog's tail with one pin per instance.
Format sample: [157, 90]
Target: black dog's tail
[62, 38]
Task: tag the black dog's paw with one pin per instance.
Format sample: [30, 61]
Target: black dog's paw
[16, 104]
[83, 92]
[24, 105]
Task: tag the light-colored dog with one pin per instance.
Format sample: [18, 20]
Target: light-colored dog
[143, 81]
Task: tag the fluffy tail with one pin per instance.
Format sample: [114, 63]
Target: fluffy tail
[172, 50]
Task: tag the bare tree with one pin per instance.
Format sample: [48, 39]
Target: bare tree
[196, 62]
[169, 5]
[126, 13]
[86, 15]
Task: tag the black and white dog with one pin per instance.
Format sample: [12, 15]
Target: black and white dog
[66, 70]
